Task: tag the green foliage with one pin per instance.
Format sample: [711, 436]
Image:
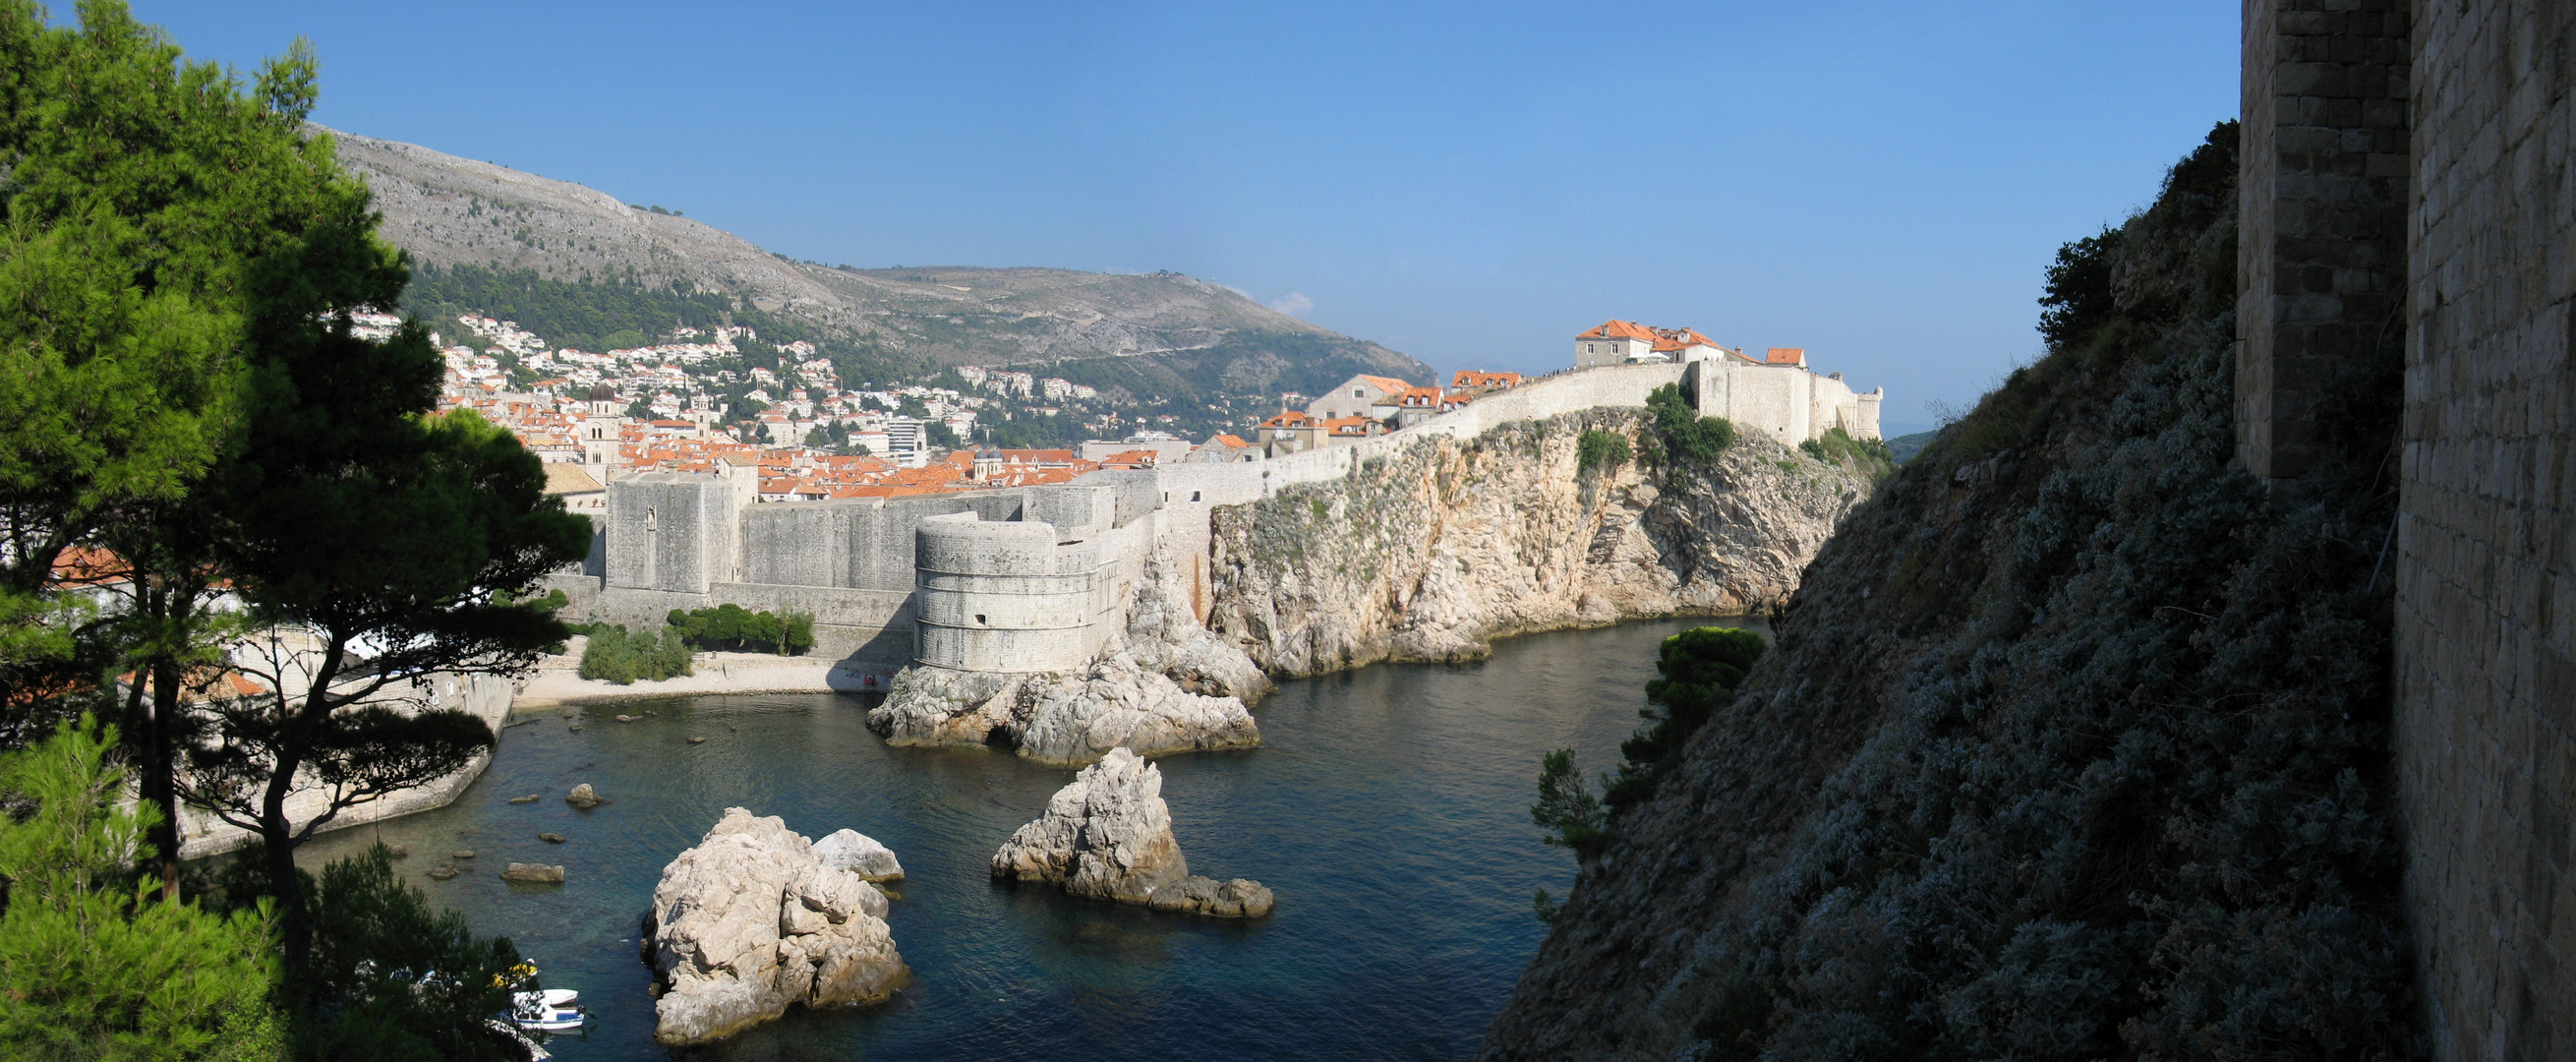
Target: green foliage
[734, 627]
[1700, 670]
[150, 210]
[615, 312]
[1566, 809]
[1600, 449]
[2131, 796]
[2078, 296]
[1543, 907]
[1903, 447]
[1687, 436]
[1837, 447]
[95, 963]
[614, 655]
[402, 980]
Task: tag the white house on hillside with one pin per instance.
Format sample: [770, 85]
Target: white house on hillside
[1356, 397]
[1776, 393]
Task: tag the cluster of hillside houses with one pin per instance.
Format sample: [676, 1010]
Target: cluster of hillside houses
[588, 442]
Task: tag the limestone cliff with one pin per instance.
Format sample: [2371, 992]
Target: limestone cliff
[1434, 552]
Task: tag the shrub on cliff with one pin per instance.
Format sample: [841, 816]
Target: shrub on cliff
[1606, 450]
[1837, 447]
[1700, 669]
[1686, 435]
[614, 655]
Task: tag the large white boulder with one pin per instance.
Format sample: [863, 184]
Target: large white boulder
[751, 921]
[859, 854]
[1109, 834]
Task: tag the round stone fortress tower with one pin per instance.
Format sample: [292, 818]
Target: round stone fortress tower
[1004, 596]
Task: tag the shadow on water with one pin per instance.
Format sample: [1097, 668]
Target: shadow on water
[1388, 811]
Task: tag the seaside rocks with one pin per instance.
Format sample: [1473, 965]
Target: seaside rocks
[1163, 685]
[859, 854]
[534, 874]
[1109, 835]
[1239, 898]
[551, 838]
[583, 797]
[528, 799]
[442, 872]
[750, 921]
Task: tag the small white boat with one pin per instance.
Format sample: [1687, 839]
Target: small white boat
[552, 1010]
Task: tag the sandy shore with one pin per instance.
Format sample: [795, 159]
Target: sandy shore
[558, 680]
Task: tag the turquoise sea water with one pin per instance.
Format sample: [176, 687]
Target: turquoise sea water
[1388, 810]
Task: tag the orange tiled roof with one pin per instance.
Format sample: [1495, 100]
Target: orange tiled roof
[87, 566]
[1620, 330]
[1474, 378]
[1672, 339]
[1385, 383]
[1786, 356]
[1232, 442]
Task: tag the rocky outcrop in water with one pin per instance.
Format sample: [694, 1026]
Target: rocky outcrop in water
[859, 854]
[1109, 835]
[1433, 552]
[1163, 684]
[751, 921]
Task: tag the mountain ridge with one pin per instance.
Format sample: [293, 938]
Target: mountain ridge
[449, 212]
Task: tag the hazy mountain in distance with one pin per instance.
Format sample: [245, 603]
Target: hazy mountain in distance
[1187, 336]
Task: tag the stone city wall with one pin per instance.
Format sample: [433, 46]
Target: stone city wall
[2486, 541]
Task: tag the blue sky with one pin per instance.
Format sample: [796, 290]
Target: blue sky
[1880, 183]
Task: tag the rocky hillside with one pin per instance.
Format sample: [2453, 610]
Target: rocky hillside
[2073, 743]
[1434, 552]
[1190, 334]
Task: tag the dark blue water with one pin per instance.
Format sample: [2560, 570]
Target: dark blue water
[1388, 811]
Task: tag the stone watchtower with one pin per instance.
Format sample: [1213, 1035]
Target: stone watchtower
[1005, 595]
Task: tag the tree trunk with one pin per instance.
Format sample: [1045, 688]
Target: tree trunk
[295, 917]
[156, 784]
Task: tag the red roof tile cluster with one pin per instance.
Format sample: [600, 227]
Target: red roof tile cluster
[1664, 340]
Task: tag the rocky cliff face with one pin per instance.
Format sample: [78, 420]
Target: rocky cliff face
[1433, 553]
[2072, 745]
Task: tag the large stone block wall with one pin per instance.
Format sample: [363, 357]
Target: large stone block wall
[2321, 263]
[1005, 596]
[2486, 543]
[670, 532]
